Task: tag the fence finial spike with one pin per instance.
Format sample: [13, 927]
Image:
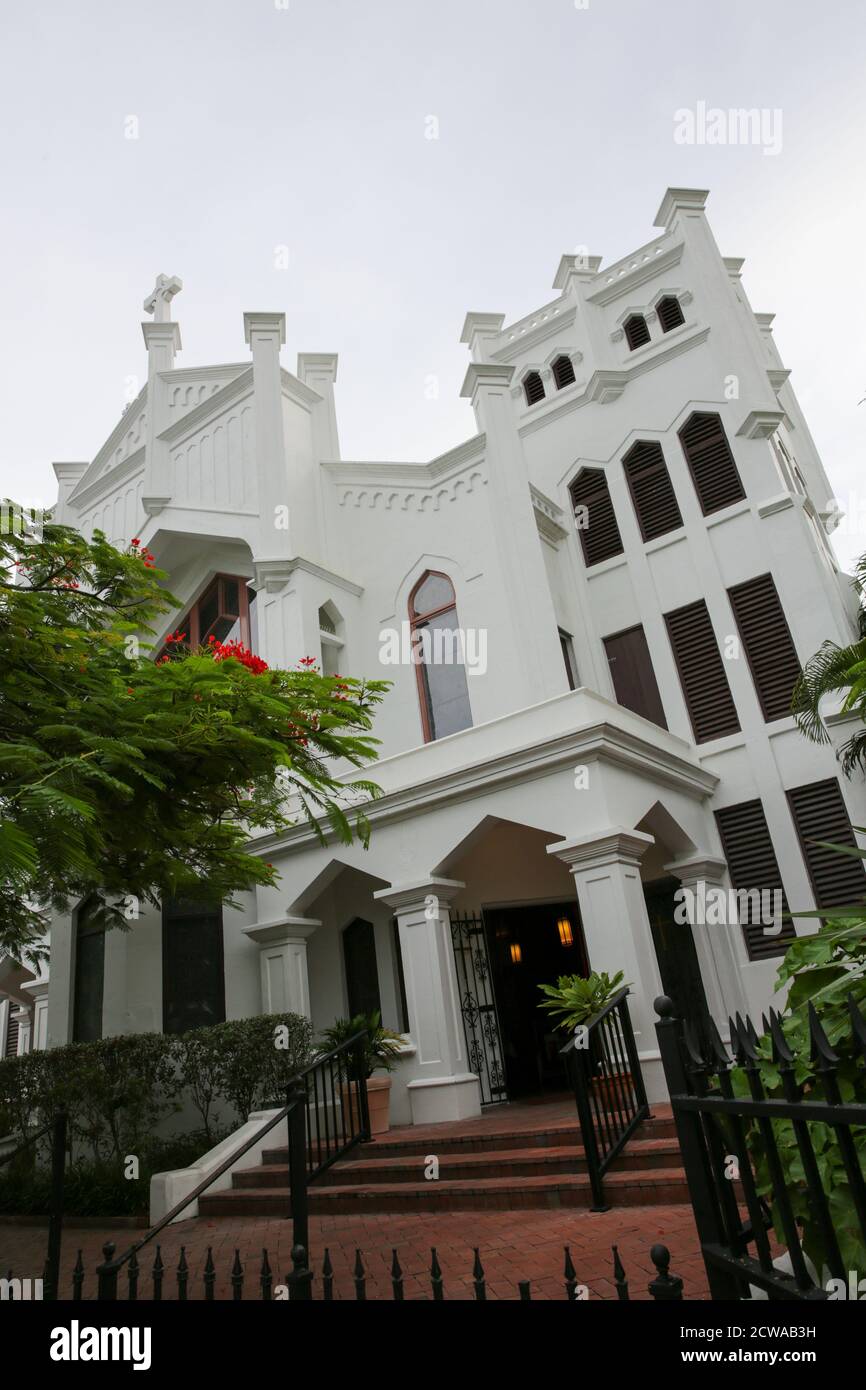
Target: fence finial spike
[618, 1269]
[858, 1024]
[822, 1053]
[693, 1044]
[717, 1047]
[781, 1051]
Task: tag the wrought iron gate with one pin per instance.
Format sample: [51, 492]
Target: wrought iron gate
[478, 1007]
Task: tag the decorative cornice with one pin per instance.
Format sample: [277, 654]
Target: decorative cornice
[607, 384]
[777, 376]
[154, 505]
[486, 324]
[167, 332]
[121, 429]
[274, 575]
[547, 516]
[264, 321]
[193, 419]
[697, 868]
[600, 741]
[635, 270]
[551, 319]
[99, 487]
[282, 930]
[577, 267]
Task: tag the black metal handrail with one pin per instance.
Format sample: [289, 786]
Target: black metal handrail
[605, 1074]
[301, 1170]
[56, 1127]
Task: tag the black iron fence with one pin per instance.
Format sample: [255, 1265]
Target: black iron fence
[733, 1149]
[303, 1284]
[56, 1128]
[326, 1115]
[604, 1071]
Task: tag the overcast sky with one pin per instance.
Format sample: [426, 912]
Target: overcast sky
[304, 124]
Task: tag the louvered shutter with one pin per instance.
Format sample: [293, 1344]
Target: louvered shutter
[702, 673]
[563, 372]
[711, 463]
[636, 331]
[768, 644]
[534, 388]
[752, 865]
[600, 536]
[11, 1032]
[651, 489]
[819, 813]
[670, 314]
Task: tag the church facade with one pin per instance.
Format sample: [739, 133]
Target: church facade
[593, 612]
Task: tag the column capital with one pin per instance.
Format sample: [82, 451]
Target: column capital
[615, 845]
[412, 895]
[486, 378]
[697, 868]
[165, 336]
[282, 930]
[263, 324]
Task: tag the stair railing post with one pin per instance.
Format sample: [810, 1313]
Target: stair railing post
[55, 1221]
[577, 1061]
[359, 1065]
[296, 1100]
[696, 1157]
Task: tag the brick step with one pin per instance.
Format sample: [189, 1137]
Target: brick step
[569, 1159]
[649, 1187]
[404, 1142]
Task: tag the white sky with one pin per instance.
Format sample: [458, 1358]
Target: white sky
[261, 127]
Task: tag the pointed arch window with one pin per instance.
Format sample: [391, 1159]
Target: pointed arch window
[636, 331]
[563, 372]
[438, 657]
[670, 313]
[533, 388]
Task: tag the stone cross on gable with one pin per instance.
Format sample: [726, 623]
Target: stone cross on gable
[159, 300]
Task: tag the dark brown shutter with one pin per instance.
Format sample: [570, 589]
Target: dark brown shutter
[636, 331]
[768, 644]
[600, 536]
[11, 1031]
[819, 812]
[711, 463]
[563, 372]
[670, 313]
[702, 672]
[632, 673]
[651, 489]
[752, 865]
[534, 388]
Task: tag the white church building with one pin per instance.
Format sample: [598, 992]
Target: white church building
[629, 559]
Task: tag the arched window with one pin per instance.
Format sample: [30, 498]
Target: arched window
[670, 313]
[89, 973]
[330, 638]
[711, 463]
[563, 372]
[651, 489]
[438, 656]
[533, 388]
[636, 331]
[594, 516]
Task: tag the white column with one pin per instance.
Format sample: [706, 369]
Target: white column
[163, 342]
[38, 992]
[283, 958]
[443, 1088]
[713, 943]
[616, 928]
[265, 333]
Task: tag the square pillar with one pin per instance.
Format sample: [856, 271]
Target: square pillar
[606, 871]
[713, 943]
[443, 1088]
[283, 959]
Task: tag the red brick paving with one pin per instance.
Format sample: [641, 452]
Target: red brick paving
[513, 1246]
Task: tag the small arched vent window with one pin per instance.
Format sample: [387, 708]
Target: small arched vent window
[439, 658]
[563, 372]
[636, 331]
[670, 313]
[533, 388]
[594, 516]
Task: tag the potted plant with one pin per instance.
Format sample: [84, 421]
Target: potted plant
[577, 999]
[379, 1051]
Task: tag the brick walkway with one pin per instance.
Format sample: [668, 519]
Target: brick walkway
[513, 1246]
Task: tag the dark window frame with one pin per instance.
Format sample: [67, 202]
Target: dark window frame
[636, 330]
[86, 931]
[698, 482]
[784, 634]
[649, 686]
[646, 460]
[534, 393]
[171, 911]
[600, 493]
[563, 372]
[191, 623]
[688, 687]
[662, 313]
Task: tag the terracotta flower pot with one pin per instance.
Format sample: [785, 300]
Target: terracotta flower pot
[378, 1103]
[613, 1092]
